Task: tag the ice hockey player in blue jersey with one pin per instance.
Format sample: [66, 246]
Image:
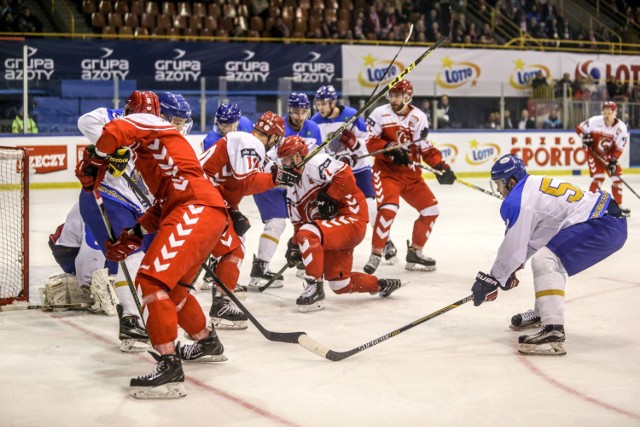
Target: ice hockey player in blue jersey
[228, 118]
[272, 203]
[563, 229]
[347, 147]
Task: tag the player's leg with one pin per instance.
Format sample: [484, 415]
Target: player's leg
[616, 190]
[596, 172]
[310, 242]
[419, 196]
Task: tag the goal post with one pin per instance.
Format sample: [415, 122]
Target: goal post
[14, 225]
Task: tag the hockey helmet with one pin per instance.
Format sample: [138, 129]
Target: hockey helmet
[403, 86]
[299, 100]
[142, 102]
[326, 92]
[228, 113]
[610, 104]
[508, 166]
[291, 145]
[174, 105]
[270, 124]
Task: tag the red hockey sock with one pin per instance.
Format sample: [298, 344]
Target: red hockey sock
[360, 283]
[421, 230]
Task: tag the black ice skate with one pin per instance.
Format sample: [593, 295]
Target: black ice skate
[226, 315]
[549, 341]
[133, 335]
[416, 261]
[312, 299]
[207, 282]
[207, 350]
[390, 252]
[372, 265]
[165, 382]
[528, 319]
[388, 286]
[260, 275]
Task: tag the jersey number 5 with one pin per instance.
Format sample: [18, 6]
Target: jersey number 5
[562, 189]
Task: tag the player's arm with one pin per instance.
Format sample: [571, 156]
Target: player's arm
[375, 141]
[91, 124]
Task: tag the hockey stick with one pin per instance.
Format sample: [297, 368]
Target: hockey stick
[337, 356]
[597, 156]
[423, 135]
[446, 24]
[275, 277]
[16, 307]
[459, 180]
[288, 337]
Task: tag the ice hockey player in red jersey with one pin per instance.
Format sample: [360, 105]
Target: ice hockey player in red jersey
[189, 217]
[605, 136]
[235, 163]
[394, 175]
[329, 215]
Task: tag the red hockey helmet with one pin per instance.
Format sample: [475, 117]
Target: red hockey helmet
[610, 104]
[292, 145]
[403, 86]
[270, 124]
[142, 102]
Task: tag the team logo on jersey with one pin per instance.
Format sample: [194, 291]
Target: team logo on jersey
[456, 74]
[105, 67]
[312, 70]
[247, 69]
[249, 152]
[482, 153]
[323, 169]
[373, 71]
[178, 69]
[523, 74]
[37, 68]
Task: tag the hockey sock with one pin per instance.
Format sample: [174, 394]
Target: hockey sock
[616, 189]
[312, 251]
[121, 286]
[372, 207]
[596, 184]
[382, 228]
[191, 318]
[162, 320]
[270, 237]
[549, 281]
[421, 230]
[358, 282]
[228, 269]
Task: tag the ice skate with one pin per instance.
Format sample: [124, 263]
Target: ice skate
[207, 281]
[549, 341]
[528, 319]
[416, 261]
[133, 335]
[388, 286]
[165, 382]
[625, 211]
[206, 350]
[372, 265]
[226, 315]
[390, 252]
[260, 275]
[312, 299]
[240, 292]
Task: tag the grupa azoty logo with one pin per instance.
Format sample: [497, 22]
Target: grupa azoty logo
[37, 68]
[105, 67]
[178, 69]
[247, 70]
[312, 70]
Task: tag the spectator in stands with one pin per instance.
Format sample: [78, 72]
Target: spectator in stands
[494, 121]
[538, 80]
[29, 23]
[358, 30]
[4, 7]
[18, 123]
[508, 123]
[526, 122]
[443, 113]
[560, 84]
[372, 21]
[553, 121]
[487, 32]
[8, 24]
[280, 29]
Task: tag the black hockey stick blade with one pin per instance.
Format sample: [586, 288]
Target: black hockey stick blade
[275, 277]
[336, 356]
[288, 337]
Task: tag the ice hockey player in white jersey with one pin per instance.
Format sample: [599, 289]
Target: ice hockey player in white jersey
[563, 229]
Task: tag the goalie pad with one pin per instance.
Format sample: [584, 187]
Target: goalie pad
[64, 289]
[103, 293]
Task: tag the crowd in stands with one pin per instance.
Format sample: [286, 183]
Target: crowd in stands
[17, 18]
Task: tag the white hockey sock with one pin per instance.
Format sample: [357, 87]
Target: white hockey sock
[121, 286]
[270, 238]
[549, 282]
[372, 207]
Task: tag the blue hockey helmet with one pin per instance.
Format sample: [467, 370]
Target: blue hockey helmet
[508, 166]
[174, 105]
[327, 92]
[299, 100]
[228, 113]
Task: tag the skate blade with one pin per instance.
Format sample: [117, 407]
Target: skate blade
[391, 260]
[537, 325]
[165, 391]
[255, 287]
[547, 349]
[228, 324]
[133, 346]
[316, 306]
[210, 358]
[419, 267]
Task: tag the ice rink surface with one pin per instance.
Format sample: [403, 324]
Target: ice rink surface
[461, 368]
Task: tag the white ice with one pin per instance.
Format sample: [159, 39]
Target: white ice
[460, 368]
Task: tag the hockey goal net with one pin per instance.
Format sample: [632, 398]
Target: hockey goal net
[14, 225]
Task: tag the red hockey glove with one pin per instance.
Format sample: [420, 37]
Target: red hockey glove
[282, 175]
[293, 254]
[130, 240]
[327, 207]
[399, 156]
[587, 140]
[484, 289]
[351, 160]
[240, 222]
[612, 167]
[447, 177]
[91, 169]
[512, 282]
[349, 140]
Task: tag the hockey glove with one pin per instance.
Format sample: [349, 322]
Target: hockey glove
[293, 254]
[350, 160]
[512, 282]
[349, 140]
[484, 289]
[91, 169]
[285, 175]
[447, 177]
[612, 167]
[130, 240]
[241, 223]
[327, 207]
[399, 156]
[587, 140]
[118, 161]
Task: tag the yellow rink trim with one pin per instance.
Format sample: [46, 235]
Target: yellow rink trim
[550, 293]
